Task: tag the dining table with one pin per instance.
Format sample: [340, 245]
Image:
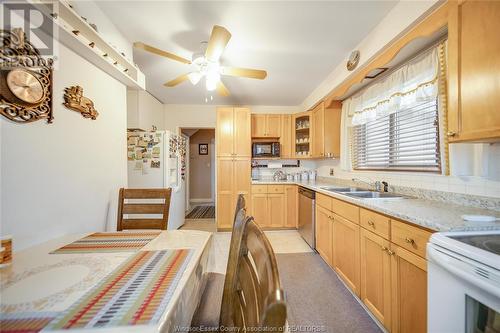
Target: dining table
[151, 286]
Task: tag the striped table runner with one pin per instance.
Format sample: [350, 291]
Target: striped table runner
[136, 293]
[109, 242]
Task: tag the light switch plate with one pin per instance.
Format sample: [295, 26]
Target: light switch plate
[331, 171]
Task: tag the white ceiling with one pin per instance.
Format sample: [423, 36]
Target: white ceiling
[298, 42]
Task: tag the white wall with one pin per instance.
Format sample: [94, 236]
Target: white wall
[203, 116]
[64, 177]
[144, 110]
[402, 17]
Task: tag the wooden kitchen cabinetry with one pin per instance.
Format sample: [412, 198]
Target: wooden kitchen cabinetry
[375, 276]
[266, 125]
[324, 234]
[326, 130]
[473, 71]
[382, 260]
[346, 251]
[274, 206]
[233, 132]
[409, 291]
[233, 162]
[286, 136]
[302, 134]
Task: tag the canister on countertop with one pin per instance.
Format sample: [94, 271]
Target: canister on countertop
[305, 175]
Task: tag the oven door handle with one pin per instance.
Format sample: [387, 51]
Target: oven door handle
[466, 269]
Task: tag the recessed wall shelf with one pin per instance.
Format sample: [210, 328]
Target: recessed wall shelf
[79, 36]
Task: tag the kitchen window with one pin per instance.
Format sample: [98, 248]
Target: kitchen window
[394, 124]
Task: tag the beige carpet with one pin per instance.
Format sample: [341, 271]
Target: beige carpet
[317, 298]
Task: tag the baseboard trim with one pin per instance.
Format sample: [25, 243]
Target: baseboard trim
[208, 200]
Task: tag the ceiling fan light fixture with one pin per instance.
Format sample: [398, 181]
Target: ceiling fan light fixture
[211, 84]
[194, 77]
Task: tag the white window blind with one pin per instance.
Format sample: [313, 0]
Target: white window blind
[405, 140]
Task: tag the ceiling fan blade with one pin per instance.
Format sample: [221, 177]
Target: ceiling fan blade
[217, 43]
[152, 49]
[244, 72]
[222, 90]
[176, 81]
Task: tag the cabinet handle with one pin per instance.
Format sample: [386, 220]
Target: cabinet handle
[451, 133]
[410, 240]
[391, 253]
[371, 223]
[385, 249]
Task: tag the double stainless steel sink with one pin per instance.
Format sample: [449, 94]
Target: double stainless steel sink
[360, 193]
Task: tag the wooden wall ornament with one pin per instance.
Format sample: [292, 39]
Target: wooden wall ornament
[74, 100]
[25, 80]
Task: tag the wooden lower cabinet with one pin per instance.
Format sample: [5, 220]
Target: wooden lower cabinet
[274, 206]
[346, 251]
[409, 291]
[260, 209]
[375, 285]
[324, 234]
[291, 206]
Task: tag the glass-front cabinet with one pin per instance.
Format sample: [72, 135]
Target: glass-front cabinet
[302, 135]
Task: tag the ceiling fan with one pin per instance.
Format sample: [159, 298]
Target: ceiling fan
[206, 63]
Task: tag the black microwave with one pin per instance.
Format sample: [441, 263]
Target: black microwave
[266, 149]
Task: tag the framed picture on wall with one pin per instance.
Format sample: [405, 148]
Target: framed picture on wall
[203, 149]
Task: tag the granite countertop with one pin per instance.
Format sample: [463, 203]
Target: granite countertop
[434, 215]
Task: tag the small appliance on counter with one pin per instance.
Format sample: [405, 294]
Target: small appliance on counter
[266, 149]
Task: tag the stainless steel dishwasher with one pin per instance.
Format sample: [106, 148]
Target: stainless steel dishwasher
[306, 216]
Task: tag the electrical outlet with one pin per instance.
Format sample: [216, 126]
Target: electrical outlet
[331, 172]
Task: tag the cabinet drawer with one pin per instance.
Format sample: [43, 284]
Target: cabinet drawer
[275, 189]
[259, 189]
[324, 201]
[346, 210]
[374, 222]
[409, 237]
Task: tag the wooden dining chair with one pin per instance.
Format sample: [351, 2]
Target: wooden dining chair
[160, 206]
[257, 300]
[215, 296]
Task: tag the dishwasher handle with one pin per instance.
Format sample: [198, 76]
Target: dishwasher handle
[307, 193]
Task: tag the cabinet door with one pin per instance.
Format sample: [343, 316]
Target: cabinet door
[224, 131]
[225, 193]
[242, 175]
[376, 276]
[291, 206]
[324, 233]
[258, 125]
[474, 67]
[286, 136]
[346, 251]
[242, 138]
[331, 130]
[318, 131]
[273, 126]
[259, 210]
[276, 208]
[409, 292]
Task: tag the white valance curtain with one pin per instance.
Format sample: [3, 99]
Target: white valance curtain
[414, 82]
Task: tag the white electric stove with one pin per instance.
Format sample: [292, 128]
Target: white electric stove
[464, 282]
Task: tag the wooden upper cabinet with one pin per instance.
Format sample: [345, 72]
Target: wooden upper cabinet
[259, 125]
[242, 133]
[286, 136]
[233, 132]
[273, 125]
[224, 131]
[375, 275]
[473, 71]
[346, 251]
[409, 292]
[266, 125]
[318, 134]
[326, 130]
